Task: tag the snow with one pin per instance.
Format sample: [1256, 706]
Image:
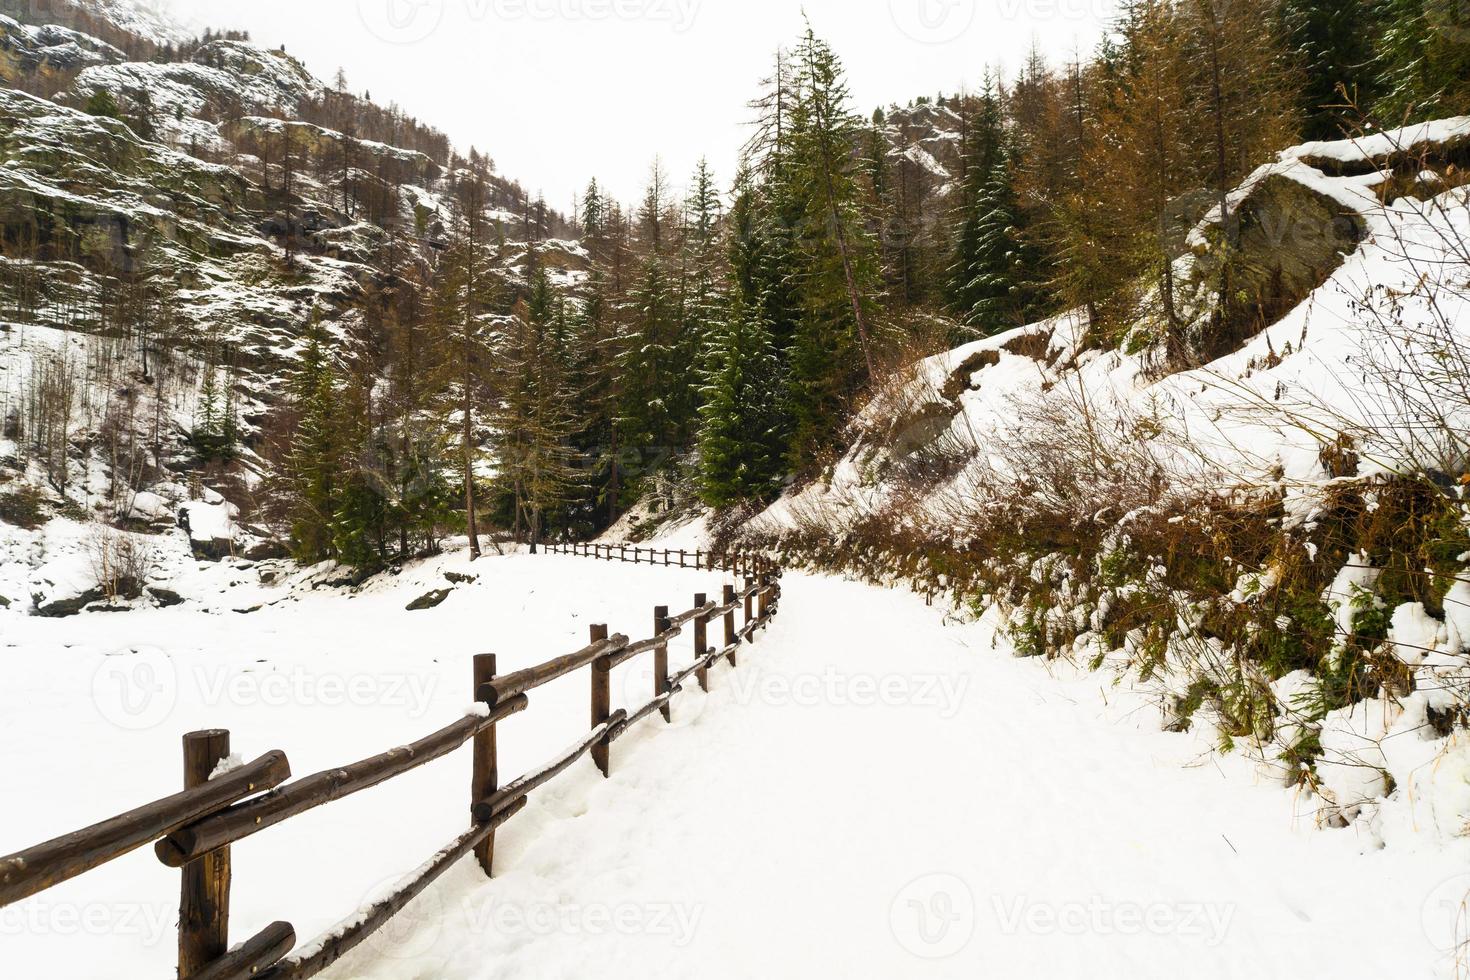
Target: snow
[148, 19]
[210, 521]
[1379, 146]
[868, 776]
[1258, 416]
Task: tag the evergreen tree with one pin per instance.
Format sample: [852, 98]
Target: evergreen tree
[832, 352]
[740, 441]
[655, 383]
[102, 103]
[534, 419]
[1423, 60]
[464, 296]
[311, 466]
[970, 289]
[996, 265]
[1332, 43]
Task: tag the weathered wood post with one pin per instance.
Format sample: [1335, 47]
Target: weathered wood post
[601, 702]
[701, 637]
[763, 602]
[749, 601]
[730, 637]
[204, 894]
[485, 771]
[661, 625]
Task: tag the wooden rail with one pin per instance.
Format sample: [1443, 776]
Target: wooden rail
[193, 830]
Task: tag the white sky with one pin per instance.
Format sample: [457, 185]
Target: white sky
[557, 91]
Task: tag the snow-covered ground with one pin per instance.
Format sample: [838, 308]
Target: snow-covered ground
[872, 793]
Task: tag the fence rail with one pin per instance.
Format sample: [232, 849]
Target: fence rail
[193, 830]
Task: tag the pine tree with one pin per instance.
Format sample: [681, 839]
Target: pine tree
[102, 103]
[312, 461]
[836, 278]
[1332, 44]
[655, 384]
[740, 440]
[1423, 60]
[996, 266]
[983, 153]
[534, 419]
[703, 284]
[464, 295]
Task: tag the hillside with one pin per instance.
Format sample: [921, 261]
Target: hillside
[171, 226]
[1272, 544]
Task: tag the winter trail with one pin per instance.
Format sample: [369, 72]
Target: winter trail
[873, 793]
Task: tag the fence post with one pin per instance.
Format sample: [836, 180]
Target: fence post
[749, 601]
[204, 894]
[485, 773]
[701, 637]
[601, 702]
[762, 603]
[661, 625]
[730, 637]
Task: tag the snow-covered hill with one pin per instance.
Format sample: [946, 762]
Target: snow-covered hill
[1275, 543]
[146, 264]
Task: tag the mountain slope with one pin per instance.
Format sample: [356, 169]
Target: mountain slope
[170, 227]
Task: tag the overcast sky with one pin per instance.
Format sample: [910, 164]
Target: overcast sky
[557, 91]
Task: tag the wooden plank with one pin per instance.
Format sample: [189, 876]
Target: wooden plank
[520, 788]
[204, 888]
[246, 819]
[252, 956]
[37, 868]
[524, 681]
[328, 949]
[622, 725]
[690, 615]
[643, 646]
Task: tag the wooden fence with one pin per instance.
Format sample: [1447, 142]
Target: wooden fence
[193, 829]
[740, 564]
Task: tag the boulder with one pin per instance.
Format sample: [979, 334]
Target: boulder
[429, 600]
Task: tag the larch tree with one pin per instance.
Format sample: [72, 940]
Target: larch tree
[465, 292]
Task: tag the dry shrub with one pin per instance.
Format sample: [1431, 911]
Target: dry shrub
[121, 561]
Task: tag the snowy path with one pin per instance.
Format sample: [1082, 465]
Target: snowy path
[871, 794]
[982, 820]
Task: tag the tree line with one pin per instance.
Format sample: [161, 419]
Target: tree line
[714, 342]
